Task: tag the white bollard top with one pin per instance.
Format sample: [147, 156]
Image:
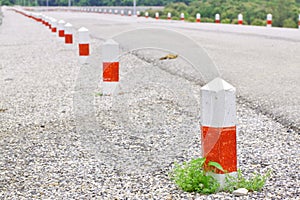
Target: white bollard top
[182, 15]
[146, 14]
[198, 16]
[83, 36]
[218, 107]
[217, 17]
[61, 22]
[110, 51]
[37, 15]
[269, 16]
[156, 14]
[122, 12]
[240, 17]
[68, 28]
[53, 19]
[129, 12]
[138, 13]
[169, 15]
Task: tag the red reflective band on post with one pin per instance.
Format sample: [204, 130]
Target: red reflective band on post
[111, 71]
[68, 38]
[240, 22]
[299, 23]
[219, 145]
[198, 20]
[61, 33]
[84, 49]
[53, 29]
[218, 21]
[269, 21]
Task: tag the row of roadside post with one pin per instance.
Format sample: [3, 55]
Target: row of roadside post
[129, 12]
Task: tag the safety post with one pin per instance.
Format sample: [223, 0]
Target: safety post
[61, 29]
[83, 45]
[110, 52]
[218, 127]
[182, 16]
[157, 15]
[198, 17]
[53, 25]
[169, 16]
[240, 19]
[217, 18]
[69, 35]
[269, 20]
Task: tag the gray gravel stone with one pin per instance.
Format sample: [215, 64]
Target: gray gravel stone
[240, 192]
[49, 150]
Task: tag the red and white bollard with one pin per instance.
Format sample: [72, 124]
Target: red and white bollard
[156, 15]
[138, 13]
[83, 45]
[169, 16]
[110, 52]
[129, 13]
[43, 19]
[61, 29]
[38, 17]
[104, 11]
[53, 25]
[146, 14]
[218, 126]
[217, 18]
[48, 20]
[116, 12]
[269, 20]
[240, 19]
[182, 16]
[110, 11]
[198, 17]
[299, 22]
[122, 12]
[69, 35]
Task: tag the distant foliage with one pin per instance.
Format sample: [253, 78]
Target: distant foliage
[285, 12]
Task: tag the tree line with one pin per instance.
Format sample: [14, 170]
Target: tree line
[285, 12]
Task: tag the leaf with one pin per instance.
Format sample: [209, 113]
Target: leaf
[216, 165]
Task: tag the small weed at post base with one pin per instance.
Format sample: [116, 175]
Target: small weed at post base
[191, 177]
[99, 94]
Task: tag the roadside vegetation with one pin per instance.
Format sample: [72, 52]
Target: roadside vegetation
[285, 12]
[191, 177]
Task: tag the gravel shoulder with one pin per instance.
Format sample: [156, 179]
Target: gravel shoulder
[59, 139]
